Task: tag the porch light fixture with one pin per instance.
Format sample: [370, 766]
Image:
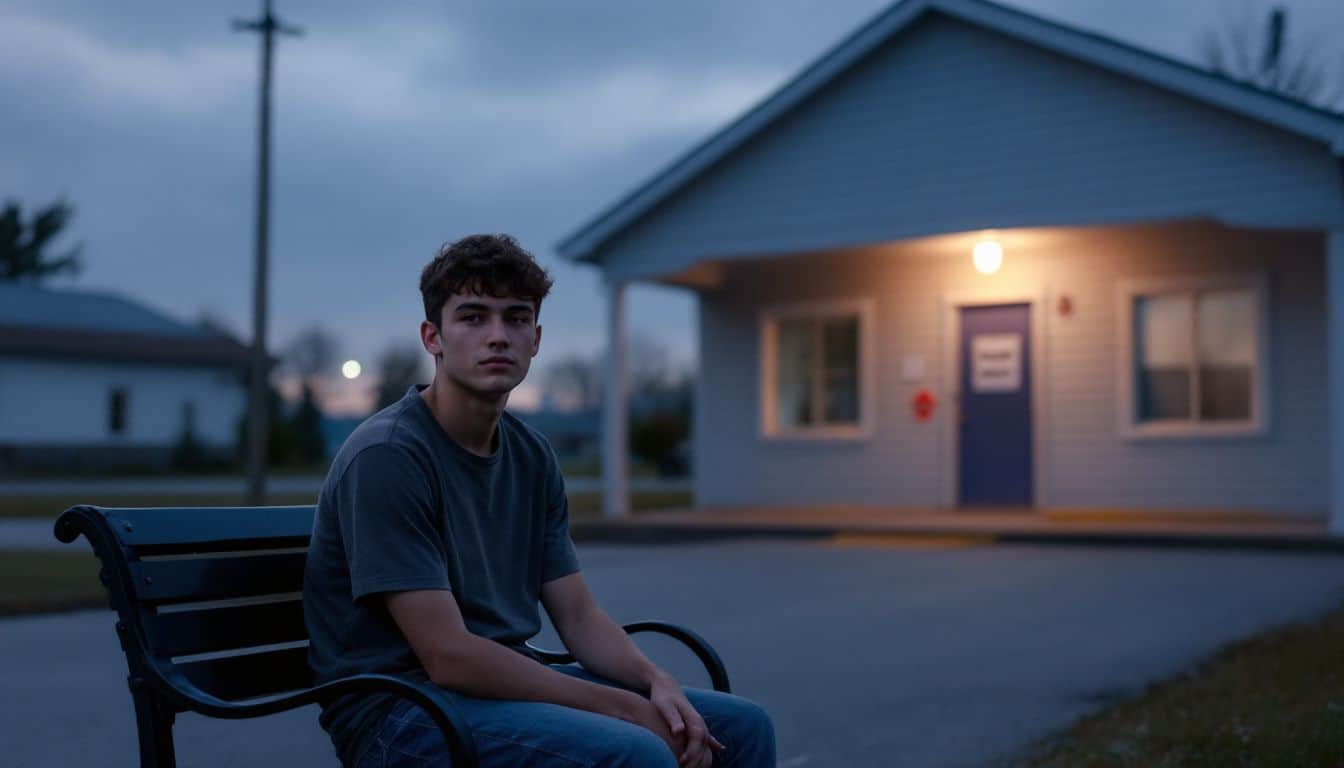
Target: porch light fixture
[987, 256]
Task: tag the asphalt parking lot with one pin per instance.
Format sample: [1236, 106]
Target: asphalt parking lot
[864, 655]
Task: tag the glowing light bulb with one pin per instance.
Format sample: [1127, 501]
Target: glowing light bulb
[987, 257]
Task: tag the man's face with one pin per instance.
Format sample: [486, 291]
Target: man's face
[485, 344]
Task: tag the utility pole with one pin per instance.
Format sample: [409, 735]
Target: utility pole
[268, 25]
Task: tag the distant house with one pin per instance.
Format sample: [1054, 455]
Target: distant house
[971, 258]
[91, 380]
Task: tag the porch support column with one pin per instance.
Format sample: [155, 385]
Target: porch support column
[1334, 337]
[615, 435]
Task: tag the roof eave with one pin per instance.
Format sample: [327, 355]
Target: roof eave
[1318, 124]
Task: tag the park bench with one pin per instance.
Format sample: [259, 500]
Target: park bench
[209, 614]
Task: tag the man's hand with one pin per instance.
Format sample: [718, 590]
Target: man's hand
[640, 711]
[685, 724]
[604, 649]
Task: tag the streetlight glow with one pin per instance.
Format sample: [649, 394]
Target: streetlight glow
[351, 369]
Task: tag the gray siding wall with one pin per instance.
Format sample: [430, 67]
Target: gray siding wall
[1088, 463]
[949, 128]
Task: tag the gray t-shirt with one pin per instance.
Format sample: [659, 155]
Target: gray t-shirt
[405, 507]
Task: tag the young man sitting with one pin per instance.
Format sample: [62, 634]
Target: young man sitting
[442, 523]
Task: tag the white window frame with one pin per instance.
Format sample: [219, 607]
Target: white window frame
[1127, 291]
[863, 309]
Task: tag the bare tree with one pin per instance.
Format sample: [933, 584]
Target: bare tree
[574, 381]
[312, 353]
[1299, 70]
[650, 367]
[399, 368]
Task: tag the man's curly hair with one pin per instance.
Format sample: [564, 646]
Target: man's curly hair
[493, 265]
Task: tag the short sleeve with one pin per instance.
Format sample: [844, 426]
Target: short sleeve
[389, 524]
[558, 555]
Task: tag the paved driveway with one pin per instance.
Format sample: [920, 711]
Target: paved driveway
[864, 656]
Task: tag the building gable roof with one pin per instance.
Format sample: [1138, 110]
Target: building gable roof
[1184, 79]
[29, 306]
[37, 321]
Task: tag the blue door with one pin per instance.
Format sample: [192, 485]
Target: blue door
[994, 434]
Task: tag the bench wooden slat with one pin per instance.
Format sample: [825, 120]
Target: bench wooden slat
[214, 578]
[183, 633]
[204, 525]
[257, 674]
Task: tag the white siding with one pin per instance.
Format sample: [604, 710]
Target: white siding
[50, 402]
[1089, 463]
[950, 127]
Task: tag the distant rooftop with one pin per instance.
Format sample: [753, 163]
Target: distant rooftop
[82, 325]
[30, 306]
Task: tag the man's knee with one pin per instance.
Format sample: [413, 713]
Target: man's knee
[636, 748]
[748, 733]
[758, 722]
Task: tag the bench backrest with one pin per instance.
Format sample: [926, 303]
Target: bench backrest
[209, 595]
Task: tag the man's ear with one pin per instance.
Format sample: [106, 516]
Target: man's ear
[536, 343]
[429, 337]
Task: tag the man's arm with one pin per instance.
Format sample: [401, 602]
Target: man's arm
[598, 643]
[605, 649]
[461, 661]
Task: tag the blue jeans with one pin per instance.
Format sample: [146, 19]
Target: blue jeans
[527, 733]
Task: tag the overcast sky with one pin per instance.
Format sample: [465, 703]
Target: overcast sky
[401, 126]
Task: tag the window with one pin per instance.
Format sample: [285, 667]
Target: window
[815, 369]
[1196, 352]
[116, 412]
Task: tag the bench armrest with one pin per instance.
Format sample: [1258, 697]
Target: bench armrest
[718, 674]
[456, 731]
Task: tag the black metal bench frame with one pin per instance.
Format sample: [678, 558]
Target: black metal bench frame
[201, 595]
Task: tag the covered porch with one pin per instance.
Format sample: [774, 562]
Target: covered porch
[1088, 464]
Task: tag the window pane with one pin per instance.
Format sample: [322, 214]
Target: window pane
[842, 399]
[1227, 330]
[1224, 393]
[794, 371]
[1162, 355]
[840, 342]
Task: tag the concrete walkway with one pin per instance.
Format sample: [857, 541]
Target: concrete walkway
[1086, 526]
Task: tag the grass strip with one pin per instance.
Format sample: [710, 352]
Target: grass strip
[49, 507]
[1274, 700]
[582, 506]
[43, 581]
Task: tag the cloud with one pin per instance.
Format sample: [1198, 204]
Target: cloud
[503, 131]
[192, 79]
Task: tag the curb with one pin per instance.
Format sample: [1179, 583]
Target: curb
[663, 534]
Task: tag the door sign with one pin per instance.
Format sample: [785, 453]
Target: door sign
[996, 362]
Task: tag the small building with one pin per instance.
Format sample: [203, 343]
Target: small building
[94, 381]
[974, 258]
